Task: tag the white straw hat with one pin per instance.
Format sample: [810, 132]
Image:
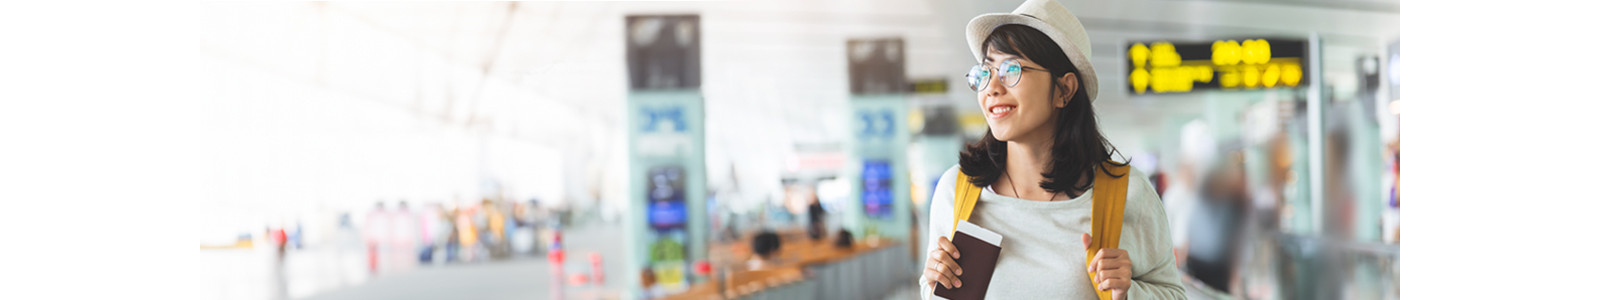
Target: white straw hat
[1049, 17]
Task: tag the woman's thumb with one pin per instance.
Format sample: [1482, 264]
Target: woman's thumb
[1086, 241]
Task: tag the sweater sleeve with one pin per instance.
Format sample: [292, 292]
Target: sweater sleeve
[941, 209]
[1157, 275]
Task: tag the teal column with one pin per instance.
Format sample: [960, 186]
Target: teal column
[879, 167]
[667, 222]
[666, 228]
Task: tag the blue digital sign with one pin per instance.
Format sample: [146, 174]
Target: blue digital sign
[877, 188]
[666, 209]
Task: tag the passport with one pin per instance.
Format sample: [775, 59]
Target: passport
[979, 248]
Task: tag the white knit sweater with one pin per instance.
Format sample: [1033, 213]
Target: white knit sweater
[1042, 254]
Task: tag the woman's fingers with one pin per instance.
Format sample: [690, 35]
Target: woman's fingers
[1122, 273]
[949, 267]
[1114, 284]
[1106, 259]
[1112, 270]
[1117, 279]
[1094, 264]
[950, 263]
[932, 270]
[1110, 264]
[938, 277]
[945, 244]
[942, 268]
[1109, 254]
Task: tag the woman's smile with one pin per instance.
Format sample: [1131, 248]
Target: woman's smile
[1000, 110]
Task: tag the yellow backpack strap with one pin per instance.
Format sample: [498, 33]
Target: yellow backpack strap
[1110, 194]
[966, 198]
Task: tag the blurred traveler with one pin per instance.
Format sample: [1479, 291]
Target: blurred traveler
[1037, 166]
[844, 240]
[452, 246]
[1219, 226]
[431, 229]
[1264, 262]
[298, 235]
[536, 215]
[280, 241]
[496, 230]
[403, 238]
[1196, 152]
[375, 231]
[817, 217]
[280, 282]
[1159, 180]
[1340, 215]
[764, 246]
[466, 234]
[1394, 199]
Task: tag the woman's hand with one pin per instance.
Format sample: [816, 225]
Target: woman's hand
[1113, 270]
[941, 265]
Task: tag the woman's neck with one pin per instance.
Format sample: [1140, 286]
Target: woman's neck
[1026, 162]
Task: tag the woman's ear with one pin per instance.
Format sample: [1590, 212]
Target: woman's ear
[1069, 87]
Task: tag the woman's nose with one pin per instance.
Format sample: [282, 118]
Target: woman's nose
[995, 88]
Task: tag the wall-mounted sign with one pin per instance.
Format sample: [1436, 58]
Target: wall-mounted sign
[663, 52]
[930, 86]
[1167, 67]
[877, 66]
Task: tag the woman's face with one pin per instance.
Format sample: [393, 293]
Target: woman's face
[1025, 112]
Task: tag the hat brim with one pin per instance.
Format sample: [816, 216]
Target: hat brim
[980, 27]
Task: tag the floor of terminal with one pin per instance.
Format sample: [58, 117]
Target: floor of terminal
[330, 272]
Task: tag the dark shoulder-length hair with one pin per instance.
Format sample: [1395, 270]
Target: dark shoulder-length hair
[1079, 147]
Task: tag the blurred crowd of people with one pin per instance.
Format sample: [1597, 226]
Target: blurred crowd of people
[1242, 220]
[402, 237]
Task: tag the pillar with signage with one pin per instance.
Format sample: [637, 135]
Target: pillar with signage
[878, 165]
[666, 221]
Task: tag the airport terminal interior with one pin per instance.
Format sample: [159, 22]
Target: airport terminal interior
[780, 149]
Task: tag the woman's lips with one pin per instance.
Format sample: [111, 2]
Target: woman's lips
[1000, 111]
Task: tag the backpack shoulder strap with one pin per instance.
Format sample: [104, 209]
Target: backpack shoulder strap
[1110, 195]
[966, 198]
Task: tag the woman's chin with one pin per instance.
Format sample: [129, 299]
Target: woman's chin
[1002, 135]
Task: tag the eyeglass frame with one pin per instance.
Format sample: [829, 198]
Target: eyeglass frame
[996, 70]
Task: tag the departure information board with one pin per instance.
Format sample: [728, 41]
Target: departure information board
[1161, 67]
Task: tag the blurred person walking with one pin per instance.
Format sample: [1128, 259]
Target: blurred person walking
[280, 276]
[1038, 166]
[1197, 150]
[403, 238]
[375, 231]
[452, 247]
[495, 232]
[434, 230]
[468, 232]
[1264, 262]
[1220, 224]
[764, 247]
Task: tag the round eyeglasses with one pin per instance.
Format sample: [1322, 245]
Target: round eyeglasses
[1010, 73]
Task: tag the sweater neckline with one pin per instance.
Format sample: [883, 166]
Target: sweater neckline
[989, 195]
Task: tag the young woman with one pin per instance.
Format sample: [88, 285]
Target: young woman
[1037, 167]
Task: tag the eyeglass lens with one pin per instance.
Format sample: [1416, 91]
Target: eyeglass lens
[978, 77]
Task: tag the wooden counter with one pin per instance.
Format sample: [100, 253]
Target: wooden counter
[795, 254]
